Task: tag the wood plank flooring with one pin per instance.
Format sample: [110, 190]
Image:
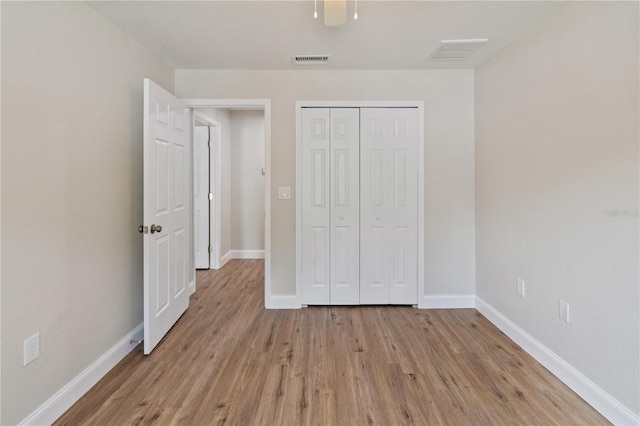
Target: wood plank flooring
[230, 361]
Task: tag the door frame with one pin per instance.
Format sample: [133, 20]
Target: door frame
[215, 185]
[265, 105]
[361, 104]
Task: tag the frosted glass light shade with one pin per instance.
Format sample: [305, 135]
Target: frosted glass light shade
[335, 12]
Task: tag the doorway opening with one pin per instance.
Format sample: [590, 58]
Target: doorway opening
[231, 178]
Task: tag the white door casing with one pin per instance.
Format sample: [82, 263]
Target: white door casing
[389, 210]
[201, 195]
[168, 266]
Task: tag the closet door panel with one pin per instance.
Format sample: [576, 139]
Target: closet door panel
[345, 206]
[374, 202]
[403, 146]
[316, 232]
[388, 185]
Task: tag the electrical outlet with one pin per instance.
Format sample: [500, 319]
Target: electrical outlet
[564, 311]
[520, 287]
[31, 348]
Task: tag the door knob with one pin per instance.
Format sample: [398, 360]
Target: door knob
[155, 228]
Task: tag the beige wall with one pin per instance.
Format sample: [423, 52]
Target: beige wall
[556, 156]
[449, 187]
[247, 182]
[71, 192]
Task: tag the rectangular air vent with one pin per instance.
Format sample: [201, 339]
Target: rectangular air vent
[310, 59]
[456, 50]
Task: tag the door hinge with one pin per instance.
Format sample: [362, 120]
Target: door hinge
[210, 249]
[210, 144]
[210, 196]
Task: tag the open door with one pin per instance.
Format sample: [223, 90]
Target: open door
[207, 188]
[202, 195]
[167, 210]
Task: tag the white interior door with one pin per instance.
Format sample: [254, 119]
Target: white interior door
[168, 265]
[316, 231]
[215, 187]
[389, 211]
[201, 199]
[345, 206]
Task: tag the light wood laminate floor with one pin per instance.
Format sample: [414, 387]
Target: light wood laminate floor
[230, 361]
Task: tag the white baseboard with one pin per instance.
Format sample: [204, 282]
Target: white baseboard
[447, 301]
[62, 400]
[225, 258]
[427, 302]
[595, 396]
[282, 302]
[241, 254]
[247, 254]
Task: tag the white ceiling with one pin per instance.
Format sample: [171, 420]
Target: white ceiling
[264, 34]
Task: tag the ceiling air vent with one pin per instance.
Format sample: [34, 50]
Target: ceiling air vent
[310, 59]
[456, 50]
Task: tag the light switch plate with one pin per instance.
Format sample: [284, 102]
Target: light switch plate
[284, 192]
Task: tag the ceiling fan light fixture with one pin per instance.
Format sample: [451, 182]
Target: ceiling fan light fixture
[335, 12]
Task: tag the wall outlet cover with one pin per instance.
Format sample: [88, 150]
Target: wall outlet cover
[31, 348]
[520, 287]
[564, 311]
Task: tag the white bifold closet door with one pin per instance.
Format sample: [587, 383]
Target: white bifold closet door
[388, 204]
[330, 206]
